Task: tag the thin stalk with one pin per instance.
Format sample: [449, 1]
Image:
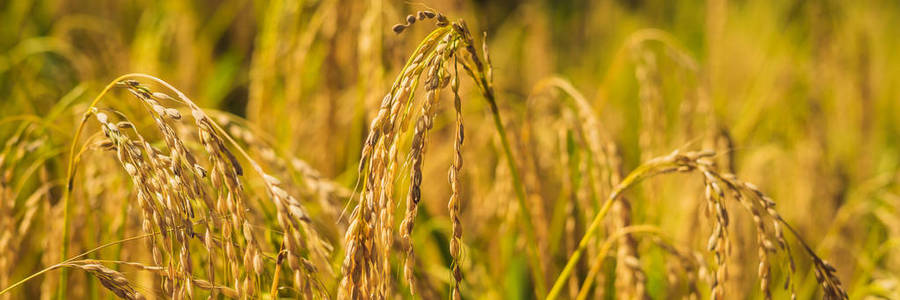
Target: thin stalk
[275, 275]
[635, 176]
[536, 269]
[56, 266]
[70, 173]
[607, 245]
[51, 268]
[487, 92]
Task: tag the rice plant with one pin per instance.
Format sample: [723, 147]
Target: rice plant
[582, 150]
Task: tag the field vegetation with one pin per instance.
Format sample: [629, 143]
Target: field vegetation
[337, 149]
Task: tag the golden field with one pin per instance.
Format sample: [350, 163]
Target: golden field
[333, 149]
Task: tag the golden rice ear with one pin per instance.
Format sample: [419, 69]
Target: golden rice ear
[455, 200]
[716, 185]
[380, 162]
[112, 280]
[169, 188]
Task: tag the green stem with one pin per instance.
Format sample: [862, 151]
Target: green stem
[536, 268]
[481, 79]
[595, 269]
[632, 178]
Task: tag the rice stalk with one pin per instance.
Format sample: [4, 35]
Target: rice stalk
[718, 242]
[169, 185]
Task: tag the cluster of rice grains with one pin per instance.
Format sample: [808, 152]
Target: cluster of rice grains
[181, 200]
[768, 224]
[112, 280]
[719, 188]
[369, 238]
[202, 213]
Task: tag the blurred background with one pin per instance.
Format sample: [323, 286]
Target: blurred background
[799, 97]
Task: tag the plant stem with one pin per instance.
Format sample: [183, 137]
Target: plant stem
[70, 177]
[598, 263]
[487, 91]
[536, 268]
[638, 174]
[7, 289]
[53, 267]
